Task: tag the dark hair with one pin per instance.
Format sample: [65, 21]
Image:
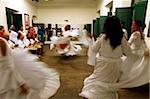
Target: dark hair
[1, 27]
[113, 31]
[68, 27]
[27, 35]
[140, 24]
[1, 31]
[123, 24]
[19, 35]
[12, 27]
[20, 27]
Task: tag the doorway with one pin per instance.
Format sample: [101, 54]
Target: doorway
[125, 15]
[13, 18]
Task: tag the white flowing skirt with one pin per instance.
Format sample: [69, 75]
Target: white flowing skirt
[108, 77]
[42, 81]
[68, 48]
[97, 85]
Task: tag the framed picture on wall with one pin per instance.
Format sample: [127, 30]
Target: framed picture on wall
[26, 21]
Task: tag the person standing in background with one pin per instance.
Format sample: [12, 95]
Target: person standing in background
[124, 30]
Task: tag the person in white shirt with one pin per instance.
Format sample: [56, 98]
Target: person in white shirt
[124, 30]
[21, 31]
[67, 32]
[21, 42]
[13, 35]
[27, 40]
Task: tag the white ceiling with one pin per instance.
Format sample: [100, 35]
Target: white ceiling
[67, 3]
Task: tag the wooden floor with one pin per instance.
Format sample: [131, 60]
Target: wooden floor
[73, 70]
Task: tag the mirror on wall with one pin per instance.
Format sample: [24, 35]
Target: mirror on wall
[26, 21]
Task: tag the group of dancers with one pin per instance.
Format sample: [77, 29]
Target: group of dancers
[118, 63]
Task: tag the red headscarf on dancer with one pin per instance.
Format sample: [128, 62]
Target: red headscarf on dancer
[2, 31]
[138, 25]
[32, 31]
[2, 43]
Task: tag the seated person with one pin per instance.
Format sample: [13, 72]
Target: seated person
[21, 42]
[21, 31]
[13, 35]
[5, 35]
[27, 40]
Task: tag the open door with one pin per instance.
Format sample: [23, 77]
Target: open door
[125, 14]
[96, 28]
[9, 16]
[101, 23]
[93, 25]
[88, 27]
[17, 21]
[139, 11]
[50, 26]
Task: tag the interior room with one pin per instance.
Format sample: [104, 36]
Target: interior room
[55, 49]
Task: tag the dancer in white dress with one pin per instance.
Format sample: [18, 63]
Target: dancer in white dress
[135, 68]
[137, 38]
[21, 70]
[11, 80]
[91, 56]
[83, 38]
[64, 45]
[67, 32]
[107, 76]
[110, 46]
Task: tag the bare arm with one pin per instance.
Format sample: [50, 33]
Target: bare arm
[3, 47]
[133, 37]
